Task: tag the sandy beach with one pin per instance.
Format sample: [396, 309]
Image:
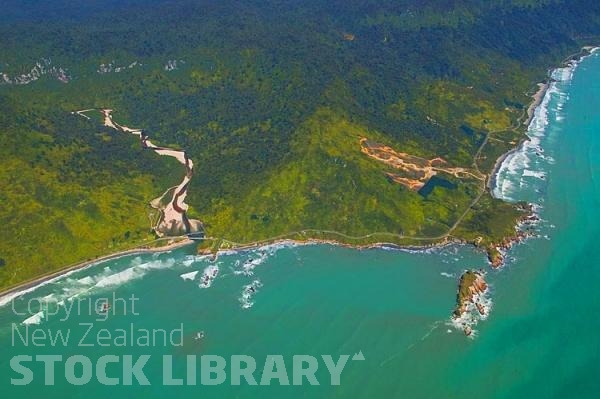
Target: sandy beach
[537, 100]
[538, 97]
[491, 183]
[26, 286]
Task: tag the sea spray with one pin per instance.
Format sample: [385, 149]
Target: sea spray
[248, 293]
[511, 175]
[189, 276]
[208, 276]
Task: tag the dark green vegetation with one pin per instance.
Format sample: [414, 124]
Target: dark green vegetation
[69, 192]
[471, 282]
[270, 103]
[464, 294]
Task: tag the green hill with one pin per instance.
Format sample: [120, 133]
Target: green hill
[271, 100]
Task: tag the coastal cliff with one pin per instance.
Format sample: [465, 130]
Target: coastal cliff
[524, 228]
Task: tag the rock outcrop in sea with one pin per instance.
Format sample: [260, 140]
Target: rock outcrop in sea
[472, 301]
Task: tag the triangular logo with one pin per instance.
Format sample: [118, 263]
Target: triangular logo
[358, 356]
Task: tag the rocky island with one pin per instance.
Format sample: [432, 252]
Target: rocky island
[472, 303]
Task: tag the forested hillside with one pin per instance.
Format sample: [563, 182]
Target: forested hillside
[271, 100]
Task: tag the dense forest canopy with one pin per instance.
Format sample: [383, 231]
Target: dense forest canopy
[270, 99]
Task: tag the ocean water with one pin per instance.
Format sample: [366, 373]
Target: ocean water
[541, 339]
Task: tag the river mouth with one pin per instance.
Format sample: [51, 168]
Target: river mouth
[173, 219]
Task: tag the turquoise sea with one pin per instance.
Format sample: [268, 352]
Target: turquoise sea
[541, 340]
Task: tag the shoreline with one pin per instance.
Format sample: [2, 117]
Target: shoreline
[25, 287]
[491, 183]
[30, 285]
[531, 217]
[538, 97]
[315, 241]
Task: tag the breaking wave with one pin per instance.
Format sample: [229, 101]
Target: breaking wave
[258, 256]
[208, 276]
[8, 298]
[189, 276]
[472, 315]
[529, 160]
[35, 319]
[67, 288]
[248, 293]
